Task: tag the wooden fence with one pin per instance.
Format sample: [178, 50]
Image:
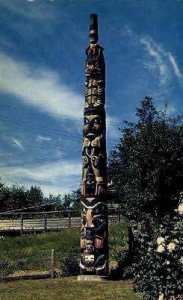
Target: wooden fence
[28, 222]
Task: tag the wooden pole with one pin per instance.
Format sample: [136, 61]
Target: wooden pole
[45, 222]
[22, 221]
[69, 216]
[94, 230]
[52, 263]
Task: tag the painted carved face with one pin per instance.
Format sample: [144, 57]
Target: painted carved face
[87, 218]
[93, 126]
[93, 36]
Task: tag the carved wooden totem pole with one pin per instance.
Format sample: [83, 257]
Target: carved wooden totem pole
[94, 231]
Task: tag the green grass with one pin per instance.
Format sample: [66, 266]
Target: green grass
[35, 250]
[31, 251]
[67, 289]
[61, 241]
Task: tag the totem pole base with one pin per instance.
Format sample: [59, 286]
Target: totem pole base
[92, 278]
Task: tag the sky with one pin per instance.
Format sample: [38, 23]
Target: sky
[42, 58]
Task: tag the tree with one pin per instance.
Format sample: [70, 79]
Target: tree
[18, 197]
[72, 200]
[146, 168]
[55, 202]
[146, 165]
[35, 196]
[67, 201]
[3, 193]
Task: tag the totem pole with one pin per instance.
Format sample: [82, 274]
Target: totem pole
[94, 230]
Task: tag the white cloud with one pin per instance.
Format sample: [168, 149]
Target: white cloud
[159, 59]
[17, 143]
[163, 61]
[112, 126]
[44, 172]
[176, 69]
[59, 189]
[40, 88]
[28, 11]
[43, 138]
[57, 177]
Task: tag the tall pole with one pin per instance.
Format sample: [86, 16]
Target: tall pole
[94, 230]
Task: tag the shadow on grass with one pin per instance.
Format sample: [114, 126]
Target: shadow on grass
[124, 270]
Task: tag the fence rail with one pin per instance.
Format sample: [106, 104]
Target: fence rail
[28, 222]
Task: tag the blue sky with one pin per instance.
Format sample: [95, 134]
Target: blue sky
[42, 56]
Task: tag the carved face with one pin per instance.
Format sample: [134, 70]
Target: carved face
[93, 36]
[93, 126]
[87, 218]
[94, 218]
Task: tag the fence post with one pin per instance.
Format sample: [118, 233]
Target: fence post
[45, 222]
[22, 221]
[69, 216]
[52, 263]
[119, 215]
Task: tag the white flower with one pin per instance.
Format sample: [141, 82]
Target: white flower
[176, 241]
[160, 240]
[167, 262]
[160, 249]
[181, 260]
[171, 247]
[180, 208]
[161, 297]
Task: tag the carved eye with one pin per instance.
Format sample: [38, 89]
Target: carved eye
[97, 121]
[86, 121]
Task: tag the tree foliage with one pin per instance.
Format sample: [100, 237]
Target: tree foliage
[146, 165]
[146, 168]
[158, 274]
[67, 201]
[19, 197]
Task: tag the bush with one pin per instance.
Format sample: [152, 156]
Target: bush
[158, 271]
[70, 263]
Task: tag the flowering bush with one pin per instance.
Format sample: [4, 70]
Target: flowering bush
[158, 268]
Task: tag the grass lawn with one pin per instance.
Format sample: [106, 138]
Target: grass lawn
[67, 289]
[32, 252]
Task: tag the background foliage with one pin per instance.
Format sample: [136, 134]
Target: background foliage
[146, 165]
[20, 197]
[146, 168]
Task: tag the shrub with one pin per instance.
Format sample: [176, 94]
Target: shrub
[70, 263]
[158, 271]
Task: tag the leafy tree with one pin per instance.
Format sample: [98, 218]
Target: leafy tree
[76, 196]
[147, 170]
[55, 201]
[3, 194]
[68, 201]
[146, 165]
[18, 197]
[72, 200]
[35, 196]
